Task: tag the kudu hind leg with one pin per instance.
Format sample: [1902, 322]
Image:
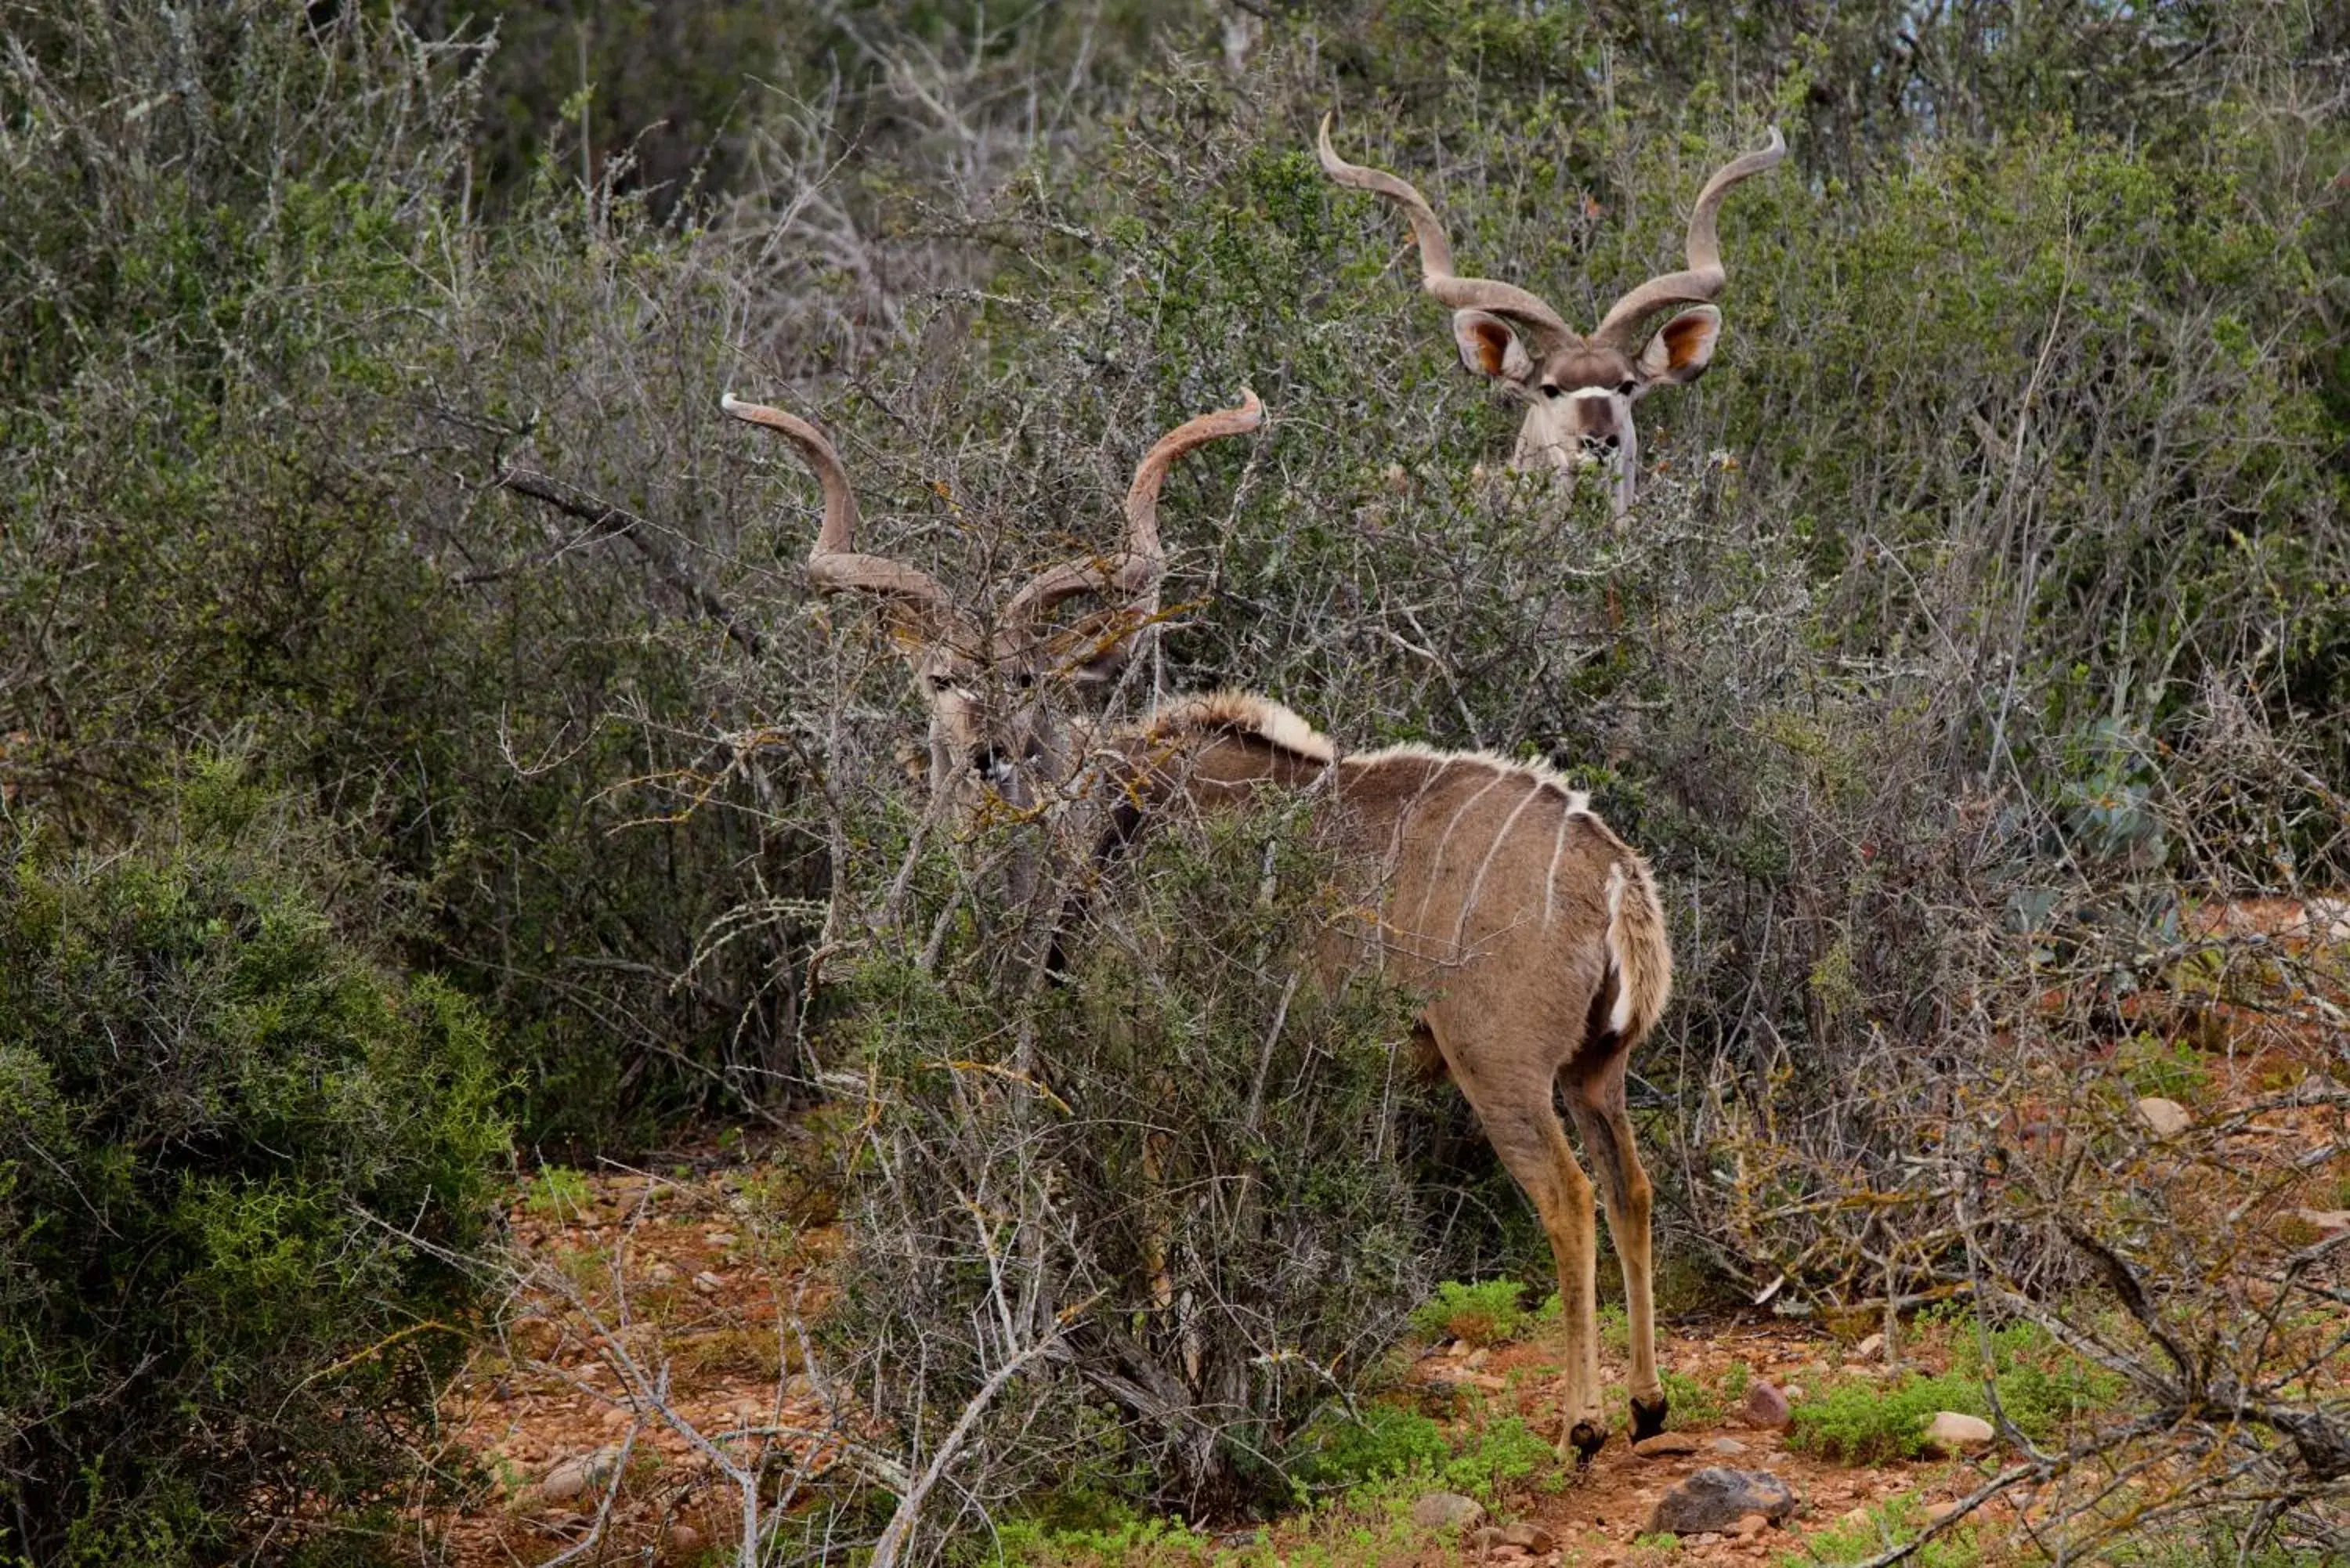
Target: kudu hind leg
[1624, 1188]
[1531, 1143]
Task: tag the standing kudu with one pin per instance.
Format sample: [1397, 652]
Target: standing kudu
[1579, 390]
[1535, 932]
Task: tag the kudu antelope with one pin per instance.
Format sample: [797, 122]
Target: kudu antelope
[1533, 932]
[1579, 390]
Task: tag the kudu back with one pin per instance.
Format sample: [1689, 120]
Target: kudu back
[1578, 388]
[1535, 932]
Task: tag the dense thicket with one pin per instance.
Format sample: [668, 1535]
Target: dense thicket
[1171, 1184]
[1983, 615]
[240, 1162]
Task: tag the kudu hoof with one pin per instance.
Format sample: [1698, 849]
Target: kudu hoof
[1587, 1438]
[1648, 1420]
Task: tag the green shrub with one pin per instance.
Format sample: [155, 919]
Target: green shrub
[2042, 1386]
[1339, 1450]
[232, 1151]
[1889, 1522]
[1615, 1325]
[556, 1191]
[1489, 1312]
[2174, 1069]
[1693, 1402]
[1500, 1457]
[376, 624]
[1862, 1423]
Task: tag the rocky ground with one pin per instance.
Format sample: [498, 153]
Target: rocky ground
[651, 1347]
[652, 1360]
[1600, 1519]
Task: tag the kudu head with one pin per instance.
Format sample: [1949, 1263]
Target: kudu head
[1578, 389]
[999, 688]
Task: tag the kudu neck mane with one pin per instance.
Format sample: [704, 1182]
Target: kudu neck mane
[1257, 720]
[1244, 714]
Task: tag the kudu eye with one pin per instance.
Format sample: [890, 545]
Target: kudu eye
[1627, 386]
[941, 682]
[1552, 391]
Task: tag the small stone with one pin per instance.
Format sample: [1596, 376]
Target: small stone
[1459, 1347]
[1725, 1446]
[2168, 1119]
[1765, 1406]
[1477, 1358]
[1873, 1345]
[1664, 1444]
[1937, 1512]
[1447, 1510]
[1951, 1434]
[707, 1282]
[1530, 1535]
[1749, 1526]
[2325, 1221]
[660, 1273]
[1714, 1498]
[577, 1474]
[718, 1238]
[684, 1539]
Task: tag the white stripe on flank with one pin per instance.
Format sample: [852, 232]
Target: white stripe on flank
[1443, 761]
[1558, 847]
[1477, 883]
[1435, 861]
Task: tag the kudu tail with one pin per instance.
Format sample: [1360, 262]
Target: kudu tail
[1639, 954]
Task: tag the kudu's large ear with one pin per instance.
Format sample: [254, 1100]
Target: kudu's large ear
[1489, 347]
[1682, 348]
[1501, 329]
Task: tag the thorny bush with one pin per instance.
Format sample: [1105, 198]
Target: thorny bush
[1176, 1175]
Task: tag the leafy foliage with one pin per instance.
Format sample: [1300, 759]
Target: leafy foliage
[1489, 1312]
[2041, 1386]
[1862, 1423]
[1885, 1524]
[260, 398]
[236, 1157]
